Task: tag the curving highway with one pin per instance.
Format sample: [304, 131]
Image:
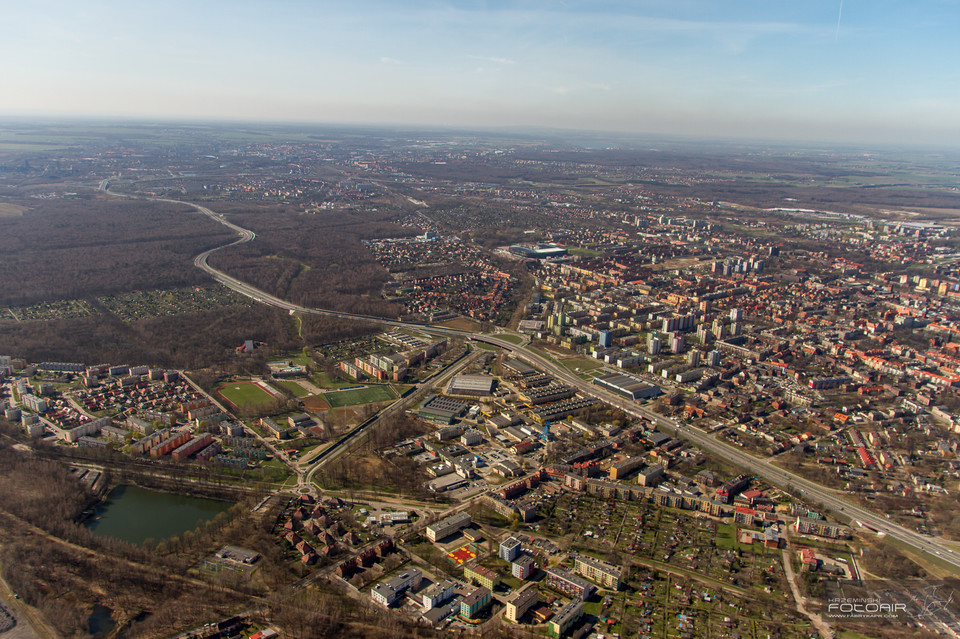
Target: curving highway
[774, 475]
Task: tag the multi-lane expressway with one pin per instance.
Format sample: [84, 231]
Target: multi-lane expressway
[761, 468]
[774, 475]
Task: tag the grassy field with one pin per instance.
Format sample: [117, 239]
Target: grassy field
[542, 353]
[293, 387]
[245, 395]
[583, 363]
[585, 252]
[327, 381]
[726, 537]
[513, 339]
[937, 567]
[462, 323]
[29, 146]
[11, 210]
[359, 396]
[302, 359]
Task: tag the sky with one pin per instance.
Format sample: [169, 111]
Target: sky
[838, 70]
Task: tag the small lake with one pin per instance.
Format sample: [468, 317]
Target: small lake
[135, 514]
[100, 621]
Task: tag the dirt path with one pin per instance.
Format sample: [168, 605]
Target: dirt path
[825, 631]
[28, 619]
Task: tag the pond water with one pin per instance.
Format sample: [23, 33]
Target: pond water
[135, 514]
[100, 620]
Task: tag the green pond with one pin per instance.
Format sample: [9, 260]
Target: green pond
[135, 514]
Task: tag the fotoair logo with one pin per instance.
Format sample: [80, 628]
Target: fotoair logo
[918, 601]
[864, 608]
[931, 601]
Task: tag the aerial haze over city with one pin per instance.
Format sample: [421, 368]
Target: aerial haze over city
[486, 319]
[878, 71]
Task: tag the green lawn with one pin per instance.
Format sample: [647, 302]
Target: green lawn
[359, 396]
[509, 337]
[583, 363]
[303, 359]
[246, 395]
[932, 564]
[585, 252]
[726, 537]
[543, 353]
[293, 387]
[326, 381]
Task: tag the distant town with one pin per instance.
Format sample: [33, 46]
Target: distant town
[505, 387]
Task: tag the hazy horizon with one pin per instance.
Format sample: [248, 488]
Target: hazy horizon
[881, 72]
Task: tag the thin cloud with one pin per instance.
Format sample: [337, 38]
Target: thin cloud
[386, 60]
[494, 60]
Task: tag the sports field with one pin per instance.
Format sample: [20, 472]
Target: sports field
[461, 555]
[315, 403]
[246, 395]
[360, 396]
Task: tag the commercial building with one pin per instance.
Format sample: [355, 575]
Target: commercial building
[559, 410]
[821, 528]
[521, 602]
[509, 549]
[539, 252]
[650, 476]
[300, 420]
[520, 368]
[236, 553]
[654, 345]
[601, 572]
[90, 428]
[481, 576]
[448, 526]
[34, 403]
[565, 618]
[193, 446]
[273, 428]
[471, 437]
[625, 467]
[569, 584]
[442, 409]
[473, 603]
[522, 567]
[627, 385]
[438, 593]
[475, 385]
[547, 394]
[166, 446]
[388, 592]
